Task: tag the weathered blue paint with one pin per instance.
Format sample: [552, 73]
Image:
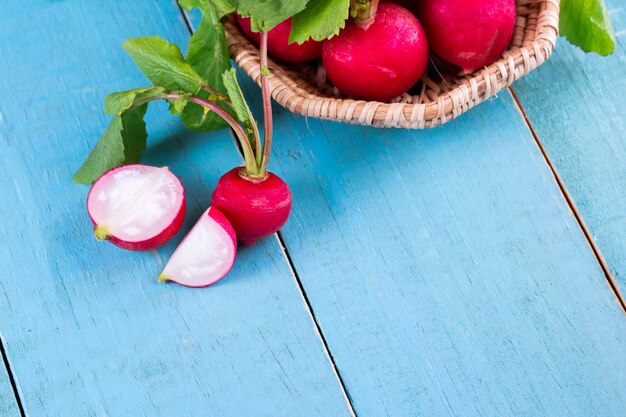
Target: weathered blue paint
[576, 105]
[444, 267]
[8, 404]
[87, 327]
[446, 271]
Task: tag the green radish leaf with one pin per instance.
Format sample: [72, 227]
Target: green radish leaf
[134, 134]
[236, 96]
[264, 15]
[586, 24]
[322, 19]
[163, 64]
[208, 55]
[244, 115]
[208, 51]
[223, 7]
[119, 102]
[122, 143]
[203, 5]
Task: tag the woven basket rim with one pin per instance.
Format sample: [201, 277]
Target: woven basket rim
[298, 95]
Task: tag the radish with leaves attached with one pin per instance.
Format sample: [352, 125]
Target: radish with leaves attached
[257, 202]
[249, 202]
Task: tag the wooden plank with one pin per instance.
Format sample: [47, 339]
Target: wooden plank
[8, 403]
[575, 103]
[88, 329]
[446, 272]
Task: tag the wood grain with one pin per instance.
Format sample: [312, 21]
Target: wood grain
[87, 327]
[576, 105]
[445, 270]
[8, 404]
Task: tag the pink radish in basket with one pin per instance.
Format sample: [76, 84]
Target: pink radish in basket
[137, 207]
[470, 35]
[377, 60]
[278, 45]
[206, 254]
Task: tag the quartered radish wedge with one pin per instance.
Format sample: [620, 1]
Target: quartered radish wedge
[137, 207]
[205, 255]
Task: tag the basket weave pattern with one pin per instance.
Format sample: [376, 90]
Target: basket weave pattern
[303, 88]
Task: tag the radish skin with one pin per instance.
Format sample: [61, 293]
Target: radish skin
[255, 208]
[469, 35]
[381, 62]
[137, 207]
[410, 5]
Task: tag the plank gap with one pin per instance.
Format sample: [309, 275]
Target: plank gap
[572, 206]
[7, 365]
[294, 273]
[316, 324]
[307, 305]
[185, 16]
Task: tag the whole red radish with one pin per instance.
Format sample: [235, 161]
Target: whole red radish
[137, 207]
[470, 35]
[255, 207]
[206, 254]
[278, 45]
[380, 62]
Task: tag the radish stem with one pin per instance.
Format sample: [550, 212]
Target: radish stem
[256, 146]
[363, 12]
[267, 106]
[251, 166]
[258, 155]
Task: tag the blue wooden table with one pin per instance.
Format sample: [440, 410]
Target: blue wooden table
[469, 270]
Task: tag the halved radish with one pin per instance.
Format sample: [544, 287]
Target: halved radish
[137, 207]
[205, 255]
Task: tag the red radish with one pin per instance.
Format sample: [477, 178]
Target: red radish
[206, 254]
[255, 207]
[410, 5]
[278, 44]
[137, 207]
[469, 35]
[380, 62]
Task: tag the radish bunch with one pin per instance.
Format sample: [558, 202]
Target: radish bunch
[383, 49]
[140, 207]
[380, 53]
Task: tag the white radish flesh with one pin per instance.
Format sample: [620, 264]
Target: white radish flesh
[205, 255]
[137, 207]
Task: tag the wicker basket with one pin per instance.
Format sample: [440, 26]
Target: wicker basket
[303, 88]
